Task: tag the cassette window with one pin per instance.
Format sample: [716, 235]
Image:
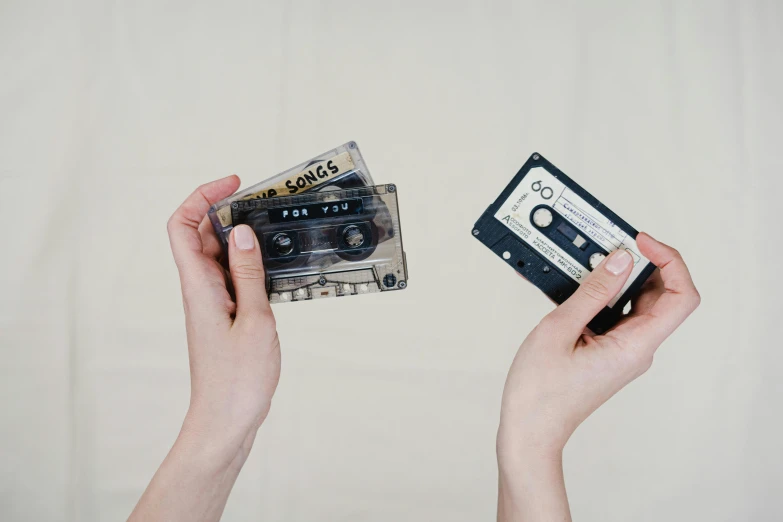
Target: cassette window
[328, 244]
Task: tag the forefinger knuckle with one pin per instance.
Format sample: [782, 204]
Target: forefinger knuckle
[694, 298]
[643, 363]
[171, 224]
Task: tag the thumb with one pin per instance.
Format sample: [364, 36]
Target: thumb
[247, 272]
[594, 293]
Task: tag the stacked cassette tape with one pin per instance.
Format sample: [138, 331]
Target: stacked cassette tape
[325, 228]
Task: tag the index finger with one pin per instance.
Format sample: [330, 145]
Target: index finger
[678, 300]
[183, 225]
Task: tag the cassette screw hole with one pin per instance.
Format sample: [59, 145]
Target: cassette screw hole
[506, 255]
[391, 188]
[353, 237]
[546, 269]
[536, 157]
[521, 264]
[322, 281]
[475, 231]
[283, 244]
[402, 284]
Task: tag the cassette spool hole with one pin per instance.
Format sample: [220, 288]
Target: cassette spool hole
[353, 236]
[542, 217]
[596, 259]
[283, 244]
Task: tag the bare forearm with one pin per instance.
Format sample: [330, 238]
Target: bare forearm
[193, 482]
[531, 487]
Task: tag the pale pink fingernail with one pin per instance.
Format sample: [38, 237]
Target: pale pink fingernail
[618, 262]
[243, 237]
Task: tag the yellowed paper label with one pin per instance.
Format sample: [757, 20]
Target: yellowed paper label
[316, 174]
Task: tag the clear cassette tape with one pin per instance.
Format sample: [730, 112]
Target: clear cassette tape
[327, 243]
[339, 168]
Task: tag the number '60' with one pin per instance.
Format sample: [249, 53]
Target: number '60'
[546, 192]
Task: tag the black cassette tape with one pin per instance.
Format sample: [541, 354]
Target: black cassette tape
[553, 232]
[328, 243]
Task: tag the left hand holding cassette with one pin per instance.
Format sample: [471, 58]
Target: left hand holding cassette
[234, 357]
[562, 373]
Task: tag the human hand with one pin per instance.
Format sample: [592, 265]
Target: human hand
[562, 372]
[234, 357]
[233, 348]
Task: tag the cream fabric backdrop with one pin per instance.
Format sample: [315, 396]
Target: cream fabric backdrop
[112, 112]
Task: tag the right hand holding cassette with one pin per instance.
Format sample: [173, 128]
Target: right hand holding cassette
[562, 372]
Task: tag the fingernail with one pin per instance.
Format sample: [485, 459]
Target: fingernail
[243, 238]
[618, 262]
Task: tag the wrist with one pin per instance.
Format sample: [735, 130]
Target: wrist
[215, 447]
[530, 483]
[523, 468]
[521, 450]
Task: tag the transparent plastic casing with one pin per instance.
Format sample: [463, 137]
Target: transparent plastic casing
[339, 168]
[349, 243]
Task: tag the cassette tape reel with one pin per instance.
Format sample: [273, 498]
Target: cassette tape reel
[554, 233]
[328, 243]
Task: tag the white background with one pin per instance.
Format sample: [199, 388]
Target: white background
[112, 112]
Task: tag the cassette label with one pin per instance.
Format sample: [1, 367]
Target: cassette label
[542, 188]
[315, 174]
[555, 233]
[315, 211]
